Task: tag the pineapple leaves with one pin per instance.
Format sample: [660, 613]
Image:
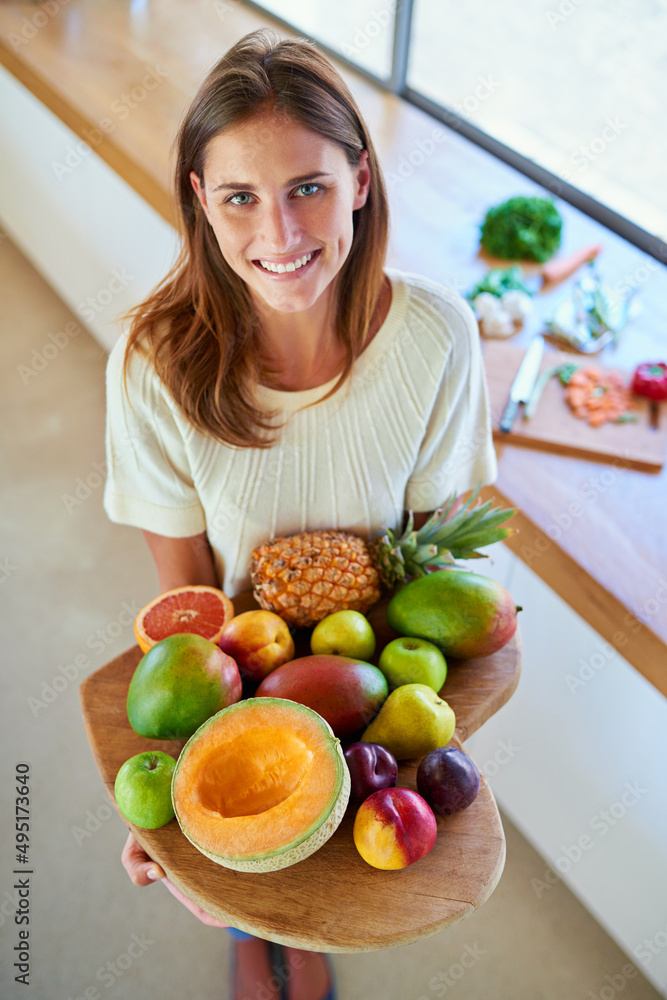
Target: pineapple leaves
[456, 530]
[466, 530]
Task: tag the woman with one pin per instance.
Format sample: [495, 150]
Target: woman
[280, 379]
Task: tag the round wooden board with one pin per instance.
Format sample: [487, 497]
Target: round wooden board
[332, 901]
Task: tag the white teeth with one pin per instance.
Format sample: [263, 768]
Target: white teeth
[291, 266]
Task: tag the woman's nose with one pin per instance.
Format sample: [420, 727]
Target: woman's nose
[280, 228]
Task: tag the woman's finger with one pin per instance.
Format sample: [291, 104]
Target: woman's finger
[139, 866]
[202, 915]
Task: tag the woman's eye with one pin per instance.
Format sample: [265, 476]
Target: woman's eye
[306, 189]
[241, 195]
[245, 198]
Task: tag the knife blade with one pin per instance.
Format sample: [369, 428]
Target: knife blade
[523, 383]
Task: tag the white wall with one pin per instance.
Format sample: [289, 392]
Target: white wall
[577, 759]
[561, 755]
[99, 245]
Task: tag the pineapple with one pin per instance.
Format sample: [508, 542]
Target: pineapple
[306, 577]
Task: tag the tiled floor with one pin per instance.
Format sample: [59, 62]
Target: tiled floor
[67, 575]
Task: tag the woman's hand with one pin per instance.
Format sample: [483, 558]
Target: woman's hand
[200, 914]
[139, 866]
[143, 870]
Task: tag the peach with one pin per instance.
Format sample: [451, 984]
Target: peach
[393, 828]
[259, 641]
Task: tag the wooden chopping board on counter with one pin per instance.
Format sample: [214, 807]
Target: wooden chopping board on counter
[553, 427]
[331, 901]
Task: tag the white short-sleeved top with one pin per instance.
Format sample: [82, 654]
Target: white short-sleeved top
[410, 427]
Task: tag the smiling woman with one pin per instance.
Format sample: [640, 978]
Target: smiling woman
[269, 119]
[280, 379]
[287, 237]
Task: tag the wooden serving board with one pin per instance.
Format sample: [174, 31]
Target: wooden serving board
[554, 427]
[332, 901]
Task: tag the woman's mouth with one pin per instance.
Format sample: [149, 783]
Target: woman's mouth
[288, 265]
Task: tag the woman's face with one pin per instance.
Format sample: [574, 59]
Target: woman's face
[280, 199]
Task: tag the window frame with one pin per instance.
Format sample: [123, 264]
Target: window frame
[397, 84]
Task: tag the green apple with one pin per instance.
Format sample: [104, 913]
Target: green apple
[344, 633]
[143, 789]
[409, 660]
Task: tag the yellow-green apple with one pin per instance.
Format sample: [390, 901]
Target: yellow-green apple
[143, 789]
[413, 661]
[259, 641]
[344, 633]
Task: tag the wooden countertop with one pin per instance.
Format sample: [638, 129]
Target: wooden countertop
[121, 75]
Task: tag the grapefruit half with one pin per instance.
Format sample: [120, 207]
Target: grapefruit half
[197, 609]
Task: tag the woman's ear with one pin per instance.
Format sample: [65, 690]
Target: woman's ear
[362, 180]
[200, 191]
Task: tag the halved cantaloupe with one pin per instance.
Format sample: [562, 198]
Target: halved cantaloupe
[261, 785]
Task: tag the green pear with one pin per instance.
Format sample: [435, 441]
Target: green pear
[412, 722]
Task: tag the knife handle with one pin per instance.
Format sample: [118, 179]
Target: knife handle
[508, 416]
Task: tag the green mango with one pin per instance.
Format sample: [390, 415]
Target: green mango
[465, 614]
[178, 684]
[413, 721]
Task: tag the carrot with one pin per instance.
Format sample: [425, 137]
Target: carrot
[597, 396]
[576, 396]
[560, 269]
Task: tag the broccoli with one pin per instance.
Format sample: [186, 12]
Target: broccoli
[522, 228]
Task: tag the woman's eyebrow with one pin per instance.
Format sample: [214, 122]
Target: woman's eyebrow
[239, 185]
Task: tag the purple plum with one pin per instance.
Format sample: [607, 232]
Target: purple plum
[371, 767]
[448, 779]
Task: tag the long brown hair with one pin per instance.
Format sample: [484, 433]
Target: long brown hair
[199, 325]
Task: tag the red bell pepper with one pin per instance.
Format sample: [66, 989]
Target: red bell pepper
[650, 380]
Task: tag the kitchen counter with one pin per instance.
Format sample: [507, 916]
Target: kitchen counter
[594, 532]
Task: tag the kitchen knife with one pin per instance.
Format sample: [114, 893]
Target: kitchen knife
[523, 383]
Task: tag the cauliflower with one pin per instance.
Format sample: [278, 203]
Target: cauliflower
[499, 324]
[486, 304]
[517, 304]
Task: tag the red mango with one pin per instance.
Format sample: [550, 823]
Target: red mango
[344, 691]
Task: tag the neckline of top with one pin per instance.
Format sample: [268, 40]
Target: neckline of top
[286, 400]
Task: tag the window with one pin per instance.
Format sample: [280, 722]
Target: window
[577, 86]
[360, 30]
[571, 92]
